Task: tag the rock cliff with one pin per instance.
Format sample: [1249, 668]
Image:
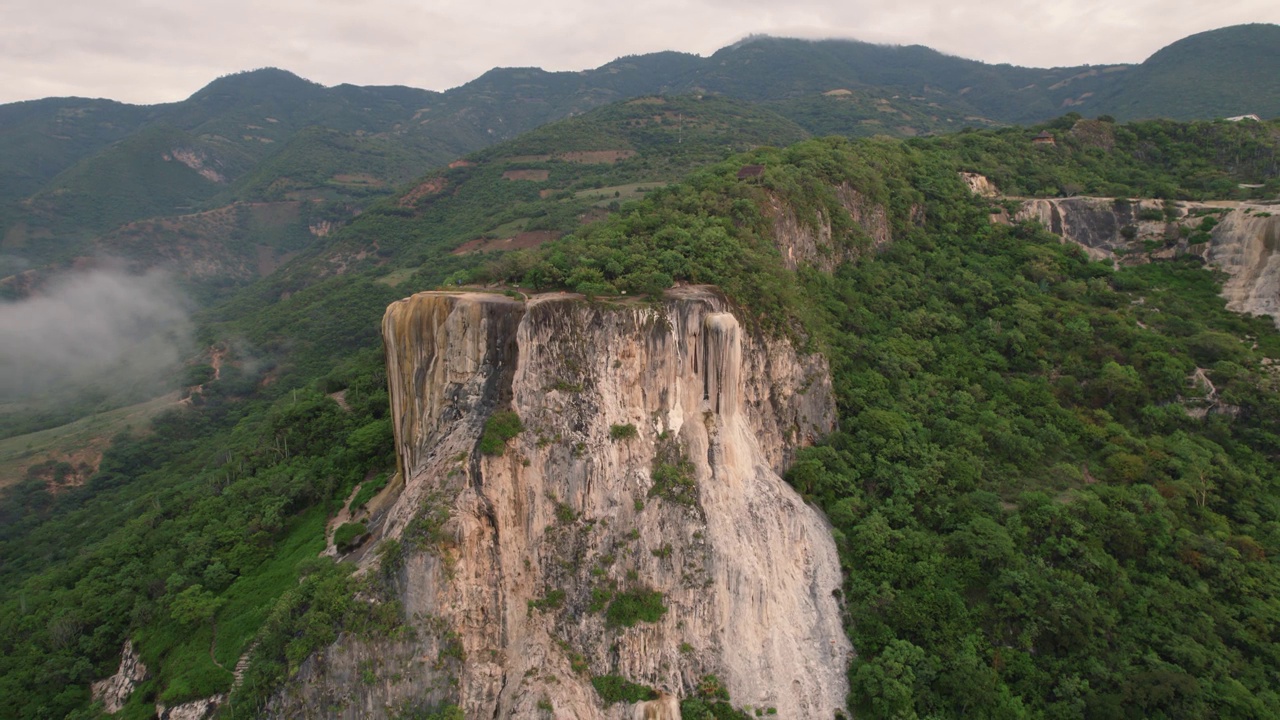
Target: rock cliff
[1244, 245]
[1099, 224]
[1239, 238]
[819, 244]
[114, 691]
[637, 526]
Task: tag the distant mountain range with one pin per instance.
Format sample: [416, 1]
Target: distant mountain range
[73, 170]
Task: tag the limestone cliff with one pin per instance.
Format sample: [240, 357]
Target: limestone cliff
[114, 691]
[653, 438]
[1239, 238]
[1244, 245]
[1098, 224]
[817, 244]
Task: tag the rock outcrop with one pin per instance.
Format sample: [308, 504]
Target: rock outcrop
[1239, 238]
[194, 710]
[1098, 224]
[979, 185]
[114, 691]
[817, 244]
[636, 527]
[1244, 246]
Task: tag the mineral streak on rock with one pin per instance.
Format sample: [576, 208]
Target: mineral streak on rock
[539, 541]
[1244, 246]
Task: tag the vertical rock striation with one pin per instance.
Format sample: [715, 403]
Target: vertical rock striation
[650, 459]
[1244, 246]
[114, 691]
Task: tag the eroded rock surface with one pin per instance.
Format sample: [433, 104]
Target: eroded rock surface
[1244, 246]
[654, 435]
[817, 244]
[114, 691]
[1241, 240]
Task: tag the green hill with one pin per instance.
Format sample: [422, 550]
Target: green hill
[1220, 73]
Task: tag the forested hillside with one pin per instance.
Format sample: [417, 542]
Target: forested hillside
[1041, 509]
[1035, 520]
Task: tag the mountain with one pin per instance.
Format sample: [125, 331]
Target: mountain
[75, 169]
[1220, 73]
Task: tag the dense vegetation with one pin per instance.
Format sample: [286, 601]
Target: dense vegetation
[1031, 523]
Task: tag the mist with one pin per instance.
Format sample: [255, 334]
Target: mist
[101, 332]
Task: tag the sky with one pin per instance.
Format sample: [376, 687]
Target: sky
[151, 51]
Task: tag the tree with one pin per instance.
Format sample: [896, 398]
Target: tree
[195, 605]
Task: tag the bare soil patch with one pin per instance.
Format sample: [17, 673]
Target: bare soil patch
[534, 175]
[428, 188]
[519, 241]
[358, 179]
[597, 157]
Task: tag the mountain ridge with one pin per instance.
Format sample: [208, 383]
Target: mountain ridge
[264, 123]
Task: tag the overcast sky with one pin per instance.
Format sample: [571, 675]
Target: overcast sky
[149, 51]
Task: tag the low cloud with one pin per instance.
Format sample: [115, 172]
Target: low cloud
[103, 331]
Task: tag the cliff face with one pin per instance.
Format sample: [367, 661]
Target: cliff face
[1096, 224]
[815, 244]
[653, 438]
[1241, 240]
[1244, 246]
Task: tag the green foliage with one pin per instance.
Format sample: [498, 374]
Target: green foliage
[710, 701]
[427, 530]
[600, 597]
[195, 605]
[674, 481]
[498, 429]
[1150, 159]
[615, 688]
[623, 432]
[633, 606]
[553, 600]
[348, 536]
[368, 489]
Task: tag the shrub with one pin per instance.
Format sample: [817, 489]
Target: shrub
[674, 481]
[552, 601]
[347, 536]
[615, 688]
[367, 491]
[498, 429]
[635, 606]
[623, 432]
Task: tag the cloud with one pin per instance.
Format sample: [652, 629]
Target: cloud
[103, 331]
[149, 51]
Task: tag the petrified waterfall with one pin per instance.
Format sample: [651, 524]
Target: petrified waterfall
[1244, 246]
[536, 544]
